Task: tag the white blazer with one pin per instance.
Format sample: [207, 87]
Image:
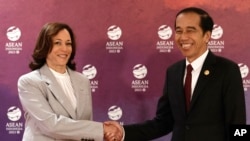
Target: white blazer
[48, 113]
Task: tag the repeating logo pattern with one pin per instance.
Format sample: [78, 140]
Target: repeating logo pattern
[114, 33]
[90, 72]
[14, 115]
[13, 33]
[244, 69]
[114, 113]
[13, 46]
[165, 45]
[216, 44]
[140, 84]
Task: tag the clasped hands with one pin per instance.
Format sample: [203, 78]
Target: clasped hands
[113, 131]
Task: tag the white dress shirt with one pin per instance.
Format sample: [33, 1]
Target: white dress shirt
[65, 83]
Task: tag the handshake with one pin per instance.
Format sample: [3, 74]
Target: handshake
[113, 131]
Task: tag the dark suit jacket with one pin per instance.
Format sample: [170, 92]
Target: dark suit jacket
[218, 101]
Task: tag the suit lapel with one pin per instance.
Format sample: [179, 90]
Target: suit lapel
[177, 85]
[205, 75]
[181, 93]
[56, 90]
[77, 85]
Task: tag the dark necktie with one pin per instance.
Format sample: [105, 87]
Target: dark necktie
[187, 87]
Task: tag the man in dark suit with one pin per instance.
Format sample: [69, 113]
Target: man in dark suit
[217, 94]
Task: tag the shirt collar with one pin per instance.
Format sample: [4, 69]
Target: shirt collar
[199, 61]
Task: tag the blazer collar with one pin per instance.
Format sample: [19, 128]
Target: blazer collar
[79, 91]
[56, 89]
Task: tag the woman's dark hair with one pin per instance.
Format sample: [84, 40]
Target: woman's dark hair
[44, 45]
[206, 21]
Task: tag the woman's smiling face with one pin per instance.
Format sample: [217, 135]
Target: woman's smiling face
[61, 51]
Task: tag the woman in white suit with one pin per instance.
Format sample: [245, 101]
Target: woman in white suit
[56, 99]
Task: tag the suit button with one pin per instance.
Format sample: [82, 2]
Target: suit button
[187, 127]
